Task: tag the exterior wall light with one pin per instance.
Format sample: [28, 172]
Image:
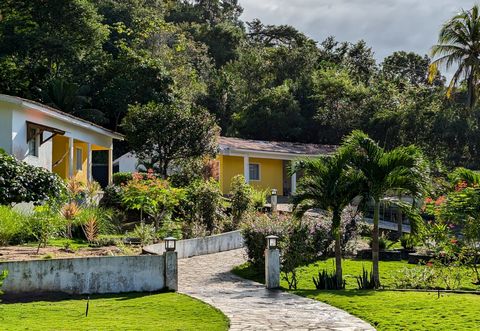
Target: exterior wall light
[170, 244]
[272, 242]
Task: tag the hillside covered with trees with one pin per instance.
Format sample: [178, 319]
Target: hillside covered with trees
[97, 58]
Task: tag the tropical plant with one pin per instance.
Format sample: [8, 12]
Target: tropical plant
[69, 212]
[384, 172]
[45, 222]
[240, 196]
[329, 184]
[259, 198]
[327, 281]
[94, 221]
[145, 233]
[366, 281]
[204, 204]
[459, 43]
[91, 191]
[11, 224]
[153, 195]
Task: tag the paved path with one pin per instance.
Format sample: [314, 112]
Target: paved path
[249, 306]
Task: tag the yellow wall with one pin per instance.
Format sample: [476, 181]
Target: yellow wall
[60, 149]
[81, 174]
[271, 172]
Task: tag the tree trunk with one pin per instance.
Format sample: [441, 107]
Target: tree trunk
[399, 223]
[375, 247]
[338, 248]
[471, 90]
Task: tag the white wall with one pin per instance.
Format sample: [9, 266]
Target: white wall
[5, 127]
[20, 146]
[128, 163]
[145, 273]
[201, 246]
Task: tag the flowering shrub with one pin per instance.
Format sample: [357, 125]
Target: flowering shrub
[300, 241]
[153, 196]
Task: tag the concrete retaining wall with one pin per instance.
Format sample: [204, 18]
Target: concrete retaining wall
[86, 275]
[201, 246]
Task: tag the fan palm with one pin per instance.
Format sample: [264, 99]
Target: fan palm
[401, 169]
[459, 43]
[328, 184]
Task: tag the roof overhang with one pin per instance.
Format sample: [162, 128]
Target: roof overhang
[64, 117]
[228, 151]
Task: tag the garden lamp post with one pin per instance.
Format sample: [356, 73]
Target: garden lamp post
[170, 244]
[272, 263]
[273, 200]
[171, 264]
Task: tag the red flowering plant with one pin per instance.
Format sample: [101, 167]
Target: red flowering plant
[152, 195]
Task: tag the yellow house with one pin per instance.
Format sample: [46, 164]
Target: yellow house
[264, 164]
[47, 137]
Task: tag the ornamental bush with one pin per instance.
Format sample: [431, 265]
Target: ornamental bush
[21, 182]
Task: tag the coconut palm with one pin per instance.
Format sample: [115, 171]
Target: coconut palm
[328, 184]
[385, 172]
[459, 44]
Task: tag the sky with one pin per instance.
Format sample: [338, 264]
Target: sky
[386, 25]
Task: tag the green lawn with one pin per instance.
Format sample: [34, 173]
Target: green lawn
[389, 310]
[133, 311]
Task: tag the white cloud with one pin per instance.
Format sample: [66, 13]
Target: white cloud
[386, 25]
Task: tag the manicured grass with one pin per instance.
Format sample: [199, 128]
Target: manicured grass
[388, 310]
[132, 311]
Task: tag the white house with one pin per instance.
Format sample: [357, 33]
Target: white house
[47, 137]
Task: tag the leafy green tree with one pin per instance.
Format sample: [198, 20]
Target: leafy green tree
[406, 66]
[401, 169]
[459, 43]
[162, 134]
[329, 184]
[40, 40]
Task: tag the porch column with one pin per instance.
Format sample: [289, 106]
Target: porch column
[89, 162]
[246, 169]
[294, 182]
[110, 166]
[70, 157]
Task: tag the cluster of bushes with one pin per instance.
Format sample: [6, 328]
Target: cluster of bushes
[183, 209]
[21, 182]
[301, 240]
[74, 213]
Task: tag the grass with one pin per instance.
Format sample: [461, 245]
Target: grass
[132, 311]
[388, 310]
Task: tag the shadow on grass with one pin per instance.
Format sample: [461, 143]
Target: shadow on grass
[344, 293]
[60, 296]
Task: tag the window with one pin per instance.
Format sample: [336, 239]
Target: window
[79, 159]
[33, 142]
[254, 171]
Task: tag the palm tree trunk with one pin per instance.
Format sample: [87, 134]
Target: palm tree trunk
[338, 249]
[471, 90]
[375, 247]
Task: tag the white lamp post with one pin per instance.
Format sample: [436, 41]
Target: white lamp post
[273, 200]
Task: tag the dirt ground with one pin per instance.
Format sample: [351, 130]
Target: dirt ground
[21, 253]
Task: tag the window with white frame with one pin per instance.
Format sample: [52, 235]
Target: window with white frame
[79, 159]
[254, 171]
[33, 142]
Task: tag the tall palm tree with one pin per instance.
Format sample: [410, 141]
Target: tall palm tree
[386, 172]
[329, 184]
[459, 43]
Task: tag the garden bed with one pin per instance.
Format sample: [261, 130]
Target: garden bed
[22, 253]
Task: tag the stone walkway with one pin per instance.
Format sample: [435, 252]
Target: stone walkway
[249, 306]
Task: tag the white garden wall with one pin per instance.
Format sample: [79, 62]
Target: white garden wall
[145, 273]
[201, 246]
